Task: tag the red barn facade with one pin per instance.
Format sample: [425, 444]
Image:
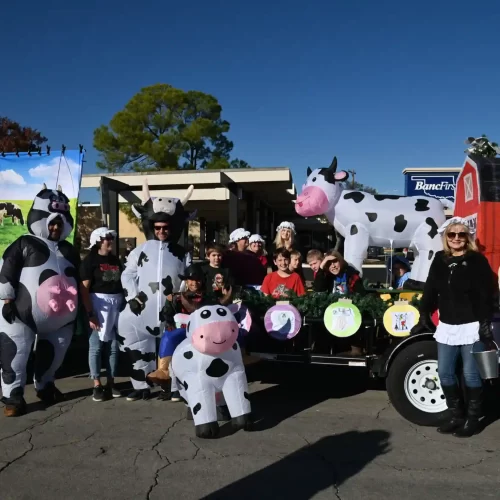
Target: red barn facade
[477, 198]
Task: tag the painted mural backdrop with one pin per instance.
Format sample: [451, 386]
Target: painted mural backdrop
[23, 176]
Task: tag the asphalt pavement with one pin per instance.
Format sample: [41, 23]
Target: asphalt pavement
[319, 433]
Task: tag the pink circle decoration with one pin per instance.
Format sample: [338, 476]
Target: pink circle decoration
[282, 321]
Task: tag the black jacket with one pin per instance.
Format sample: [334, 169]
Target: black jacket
[462, 288]
[323, 281]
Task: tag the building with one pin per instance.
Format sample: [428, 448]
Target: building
[257, 199]
[434, 182]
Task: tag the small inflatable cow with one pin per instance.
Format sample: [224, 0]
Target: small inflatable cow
[209, 361]
[365, 219]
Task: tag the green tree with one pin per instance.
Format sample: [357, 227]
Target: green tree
[14, 137]
[164, 128]
[362, 187]
[237, 163]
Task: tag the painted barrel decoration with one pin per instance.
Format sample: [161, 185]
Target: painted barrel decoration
[342, 319]
[282, 321]
[399, 319]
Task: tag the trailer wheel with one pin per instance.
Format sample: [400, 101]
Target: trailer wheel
[414, 387]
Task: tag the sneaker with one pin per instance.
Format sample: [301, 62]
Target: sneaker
[175, 397]
[98, 393]
[139, 394]
[112, 392]
[50, 394]
[164, 395]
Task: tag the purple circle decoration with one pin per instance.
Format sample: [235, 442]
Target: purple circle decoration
[282, 321]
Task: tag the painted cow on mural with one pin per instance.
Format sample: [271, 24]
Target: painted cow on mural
[374, 220]
[8, 209]
[209, 361]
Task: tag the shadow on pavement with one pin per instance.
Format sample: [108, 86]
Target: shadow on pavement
[328, 463]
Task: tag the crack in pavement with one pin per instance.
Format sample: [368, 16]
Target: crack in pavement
[61, 410]
[31, 447]
[411, 469]
[155, 449]
[386, 407]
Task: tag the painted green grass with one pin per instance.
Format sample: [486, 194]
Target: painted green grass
[9, 232]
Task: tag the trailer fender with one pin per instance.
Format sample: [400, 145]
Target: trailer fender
[382, 367]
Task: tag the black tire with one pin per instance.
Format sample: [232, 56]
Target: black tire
[401, 365]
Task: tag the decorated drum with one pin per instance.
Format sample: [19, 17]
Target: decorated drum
[399, 319]
[282, 321]
[342, 319]
[244, 319]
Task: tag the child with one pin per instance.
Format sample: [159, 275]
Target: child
[217, 277]
[256, 245]
[279, 282]
[314, 258]
[296, 264]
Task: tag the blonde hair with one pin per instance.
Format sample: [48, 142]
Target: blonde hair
[470, 245]
[279, 242]
[296, 253]
[314, 254]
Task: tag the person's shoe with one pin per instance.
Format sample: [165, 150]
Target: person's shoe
[50, 394]
[98, 394]
[456, 407]
[472, 424]
[14, 409]
[111, 392]
[164, 395]
[175, 397]
[139, 394]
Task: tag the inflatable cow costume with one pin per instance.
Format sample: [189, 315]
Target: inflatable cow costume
[39, 290]
[365, 219]
[152, 272]
[209, 361]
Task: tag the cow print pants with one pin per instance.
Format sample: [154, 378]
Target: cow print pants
[16, 341]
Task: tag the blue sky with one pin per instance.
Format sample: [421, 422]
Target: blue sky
[23, 176]
[383, 85]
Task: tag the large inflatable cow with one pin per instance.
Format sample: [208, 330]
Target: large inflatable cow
[38, 287]
[152, 272]
[380, 220]
[209, 361]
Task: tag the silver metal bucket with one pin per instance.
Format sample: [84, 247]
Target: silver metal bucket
[487, 362]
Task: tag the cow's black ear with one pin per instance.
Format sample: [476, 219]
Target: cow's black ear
[309, 171]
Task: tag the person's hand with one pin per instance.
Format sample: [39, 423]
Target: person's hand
[227, 291]
[9, 311]
[486, 336]
[135, 306]
[424, 325]
[170, 297]
[326, 260]
[94, 322]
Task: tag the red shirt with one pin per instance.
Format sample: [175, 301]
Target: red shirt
[277, 286]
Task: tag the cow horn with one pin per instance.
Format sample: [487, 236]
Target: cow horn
[333, 166]
[309, 171]
[189, 192]
[44, 186]
[145, 191]
[59, 188]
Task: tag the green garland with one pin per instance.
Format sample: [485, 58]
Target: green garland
[314, 304]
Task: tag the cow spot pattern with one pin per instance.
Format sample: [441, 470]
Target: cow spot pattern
[400, 223]
[355, 196]
[217, 368]
[422, 205]
[372, 216]
[188, 354]
[196, 408]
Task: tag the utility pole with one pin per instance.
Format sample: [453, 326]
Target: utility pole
[353, 173]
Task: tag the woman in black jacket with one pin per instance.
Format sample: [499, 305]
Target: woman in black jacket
[461, 285]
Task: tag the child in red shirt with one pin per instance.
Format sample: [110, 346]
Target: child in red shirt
[279, 282]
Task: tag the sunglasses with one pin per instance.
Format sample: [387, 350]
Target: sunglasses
[162, 228]
[452, 235]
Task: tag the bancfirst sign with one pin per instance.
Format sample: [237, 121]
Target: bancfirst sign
[435, 185]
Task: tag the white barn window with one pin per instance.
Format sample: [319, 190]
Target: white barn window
[469, 188]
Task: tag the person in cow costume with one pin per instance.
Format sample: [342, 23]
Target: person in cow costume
[207, 362]
[364, 220]
[39, 289]
[152, 272]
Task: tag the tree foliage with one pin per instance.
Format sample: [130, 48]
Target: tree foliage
[14, 137]
[362, 187]
[164, 128]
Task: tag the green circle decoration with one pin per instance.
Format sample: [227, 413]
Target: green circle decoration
[342, 319]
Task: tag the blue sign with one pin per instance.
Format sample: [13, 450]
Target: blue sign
[435, 185]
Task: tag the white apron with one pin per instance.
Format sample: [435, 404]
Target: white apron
[107, 309]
